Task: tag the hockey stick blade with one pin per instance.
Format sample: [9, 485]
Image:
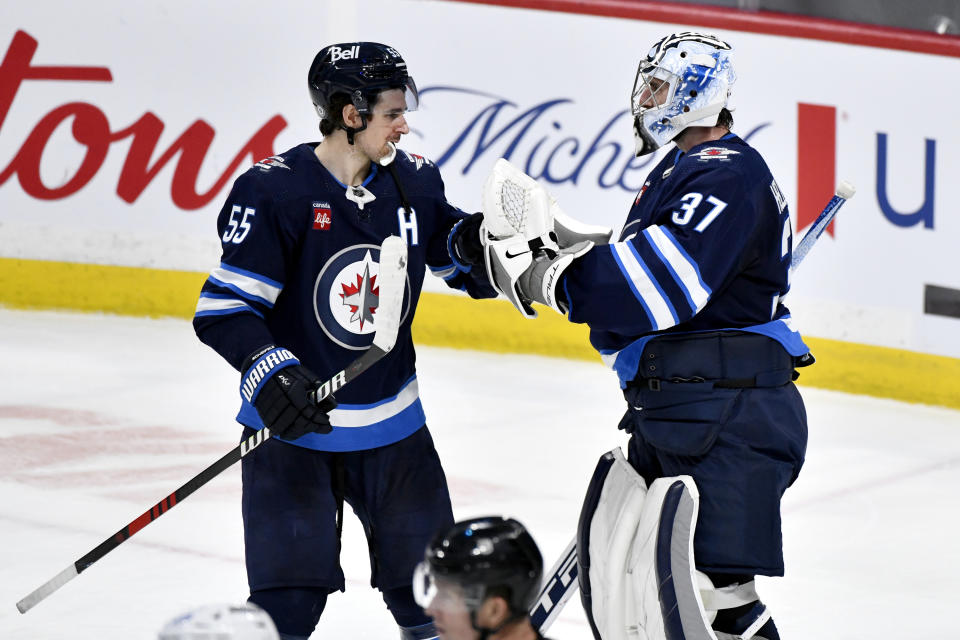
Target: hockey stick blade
[393, 270]
[844, 192]
[563, 580]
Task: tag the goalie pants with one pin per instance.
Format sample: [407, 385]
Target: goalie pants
[398, 491]
[742, 446]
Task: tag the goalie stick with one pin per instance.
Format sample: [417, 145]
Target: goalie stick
[563, 579]
[392, 279]
[844, 192]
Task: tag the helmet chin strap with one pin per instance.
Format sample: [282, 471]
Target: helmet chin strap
[352, 131]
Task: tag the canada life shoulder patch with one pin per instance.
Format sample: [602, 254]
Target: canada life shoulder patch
[714, 153]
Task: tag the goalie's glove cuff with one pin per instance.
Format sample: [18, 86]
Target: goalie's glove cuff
[283, 391]
[542, 281]
[463, 243]
[569, 231]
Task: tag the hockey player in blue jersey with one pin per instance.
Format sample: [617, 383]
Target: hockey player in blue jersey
[687, 308]
[301, 233]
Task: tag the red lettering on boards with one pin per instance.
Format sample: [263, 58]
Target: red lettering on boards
[91, 128]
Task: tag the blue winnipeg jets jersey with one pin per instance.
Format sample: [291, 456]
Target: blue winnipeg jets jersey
[299, 269]
[706, 246]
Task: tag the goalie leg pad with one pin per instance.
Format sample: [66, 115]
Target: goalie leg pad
[664, 578]
[638, 579]
[605, 533]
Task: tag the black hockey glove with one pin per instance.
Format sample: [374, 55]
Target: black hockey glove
[282, 391]
[464, 242]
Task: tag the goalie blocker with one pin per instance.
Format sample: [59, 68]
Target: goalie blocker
[636, 566]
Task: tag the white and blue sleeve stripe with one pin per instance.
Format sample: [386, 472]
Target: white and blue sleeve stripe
[218, 304]
[446, 272]
[682, 267]
[249, 285]
[644, 286]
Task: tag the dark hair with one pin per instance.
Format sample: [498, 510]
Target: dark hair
[334, 119]
[505, 592]
[725, 119]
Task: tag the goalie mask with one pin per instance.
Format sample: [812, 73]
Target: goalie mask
[476, 559]
[684, 82]
[359, 70]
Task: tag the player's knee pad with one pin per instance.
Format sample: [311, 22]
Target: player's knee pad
[295, 610]
[404, 609]
[635, 548]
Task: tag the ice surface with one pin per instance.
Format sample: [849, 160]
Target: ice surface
[101, 416]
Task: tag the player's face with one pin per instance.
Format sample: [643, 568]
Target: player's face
[651, 94]
[385, 124]
[446, 604]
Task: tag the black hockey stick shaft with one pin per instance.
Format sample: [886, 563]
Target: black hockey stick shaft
[393, 269]
[357, 367]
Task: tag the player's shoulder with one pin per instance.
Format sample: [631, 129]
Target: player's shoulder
[729, 154]
[729, 159]
[416, 167]
[277, 173]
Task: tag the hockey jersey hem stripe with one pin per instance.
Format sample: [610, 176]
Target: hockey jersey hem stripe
[353, 416]
[626, 361]
[392, 429]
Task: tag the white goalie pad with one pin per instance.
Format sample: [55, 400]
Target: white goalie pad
[605, 533]
[638, 580]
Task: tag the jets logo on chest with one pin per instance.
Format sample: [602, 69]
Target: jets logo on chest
[346, 296]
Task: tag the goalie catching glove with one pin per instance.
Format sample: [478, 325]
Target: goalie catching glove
[283, 393]
[528, 240]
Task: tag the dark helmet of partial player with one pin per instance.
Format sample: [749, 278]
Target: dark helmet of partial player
[487, 556]
[360, 70]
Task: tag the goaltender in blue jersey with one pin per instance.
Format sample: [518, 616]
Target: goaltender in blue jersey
[296, 295]
[687, 307]
[705, 247]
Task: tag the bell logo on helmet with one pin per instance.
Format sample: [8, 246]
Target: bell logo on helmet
[336, 53]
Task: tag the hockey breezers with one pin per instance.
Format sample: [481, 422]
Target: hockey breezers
[562, 580]
[392, 279]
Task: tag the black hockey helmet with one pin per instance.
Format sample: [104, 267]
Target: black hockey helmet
[360, 70]
[484, 556]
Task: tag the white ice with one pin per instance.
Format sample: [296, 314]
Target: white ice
[100, 417]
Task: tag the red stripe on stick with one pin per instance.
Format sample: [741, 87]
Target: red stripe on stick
[816, 161]
[145, 519]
